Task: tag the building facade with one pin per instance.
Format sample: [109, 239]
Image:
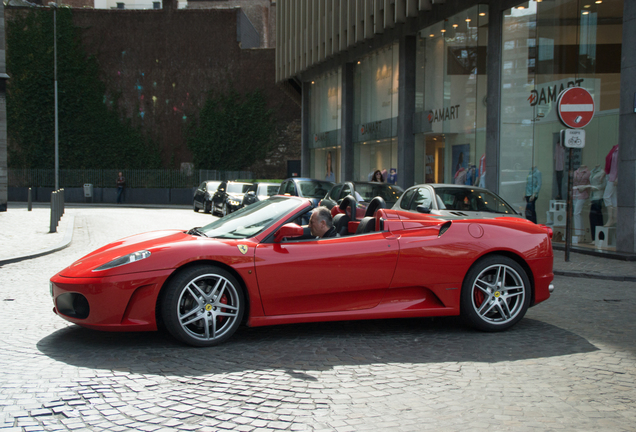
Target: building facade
[466, 92]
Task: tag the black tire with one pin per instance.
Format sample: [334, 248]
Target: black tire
[203, 306]
[225, 211]
[194, 207]
[495, 294]
[206, 207]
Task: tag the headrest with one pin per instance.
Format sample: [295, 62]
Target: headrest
[349, 201]
[375, 204]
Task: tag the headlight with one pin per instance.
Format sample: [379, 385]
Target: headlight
[126, 259]
[233, 202]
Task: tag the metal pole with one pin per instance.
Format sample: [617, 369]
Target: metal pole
[568, 208]
[57, 153]
[53, 224]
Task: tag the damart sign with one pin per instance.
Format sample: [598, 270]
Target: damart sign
[544, 98]
[376, 130]
[442, 114]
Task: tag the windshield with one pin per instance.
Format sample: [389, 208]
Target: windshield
[467, 199]
[268, 190]
[251, 220]
[314, 188]
[237, 188]
[389, 193]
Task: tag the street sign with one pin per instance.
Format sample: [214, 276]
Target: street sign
[574, 138]
[575, 107]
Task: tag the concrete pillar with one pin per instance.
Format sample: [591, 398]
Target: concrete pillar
[346, 122]
[406, 110]
[626, 188]
[4, 175]
[304, 140]
[493, 115]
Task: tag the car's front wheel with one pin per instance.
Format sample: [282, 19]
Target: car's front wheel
[225, 210]
[195, 208]
[203, 306]
[495, 294]
[207, 207]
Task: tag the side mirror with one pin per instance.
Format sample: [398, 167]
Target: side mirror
[288, 230]
[423, 209]
[251, 193]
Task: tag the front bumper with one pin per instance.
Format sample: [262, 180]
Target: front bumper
[116, 303]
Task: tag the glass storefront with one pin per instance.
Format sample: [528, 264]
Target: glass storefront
[450, 99]
[325, 124]
[549, 46]
[375, 113]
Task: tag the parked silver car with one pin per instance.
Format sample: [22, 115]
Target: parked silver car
[454, 201]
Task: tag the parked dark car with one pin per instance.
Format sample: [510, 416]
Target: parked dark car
[363, 192]
[259, 191]
[203, 195]
[229, 197]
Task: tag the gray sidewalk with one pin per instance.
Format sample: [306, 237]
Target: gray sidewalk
[25, 235]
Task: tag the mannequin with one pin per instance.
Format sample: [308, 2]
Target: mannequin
[460, 176]
[470, 175]
[481, 172]
[580, 195]
[533, 186]
[598, 181]
[609, 196]
[330, 175]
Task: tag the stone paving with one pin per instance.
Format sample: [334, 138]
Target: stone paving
[570, 365]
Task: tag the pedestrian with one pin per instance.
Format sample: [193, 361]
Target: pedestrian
[121, 185]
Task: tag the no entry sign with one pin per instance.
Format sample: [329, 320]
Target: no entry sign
[575, 107]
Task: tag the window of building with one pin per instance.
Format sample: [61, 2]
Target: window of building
[324, 125]
[375, 113]
[451, 83]
[569, 43]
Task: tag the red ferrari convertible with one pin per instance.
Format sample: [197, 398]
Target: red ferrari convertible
[255, 267]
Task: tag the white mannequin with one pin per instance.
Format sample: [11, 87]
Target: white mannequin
[581, 194]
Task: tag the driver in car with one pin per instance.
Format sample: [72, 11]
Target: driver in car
[321, 223]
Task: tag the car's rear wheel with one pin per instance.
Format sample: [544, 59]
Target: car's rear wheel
[495, 294]
[203, 306]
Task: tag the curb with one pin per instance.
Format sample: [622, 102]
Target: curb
[594, 276]
[66, 241]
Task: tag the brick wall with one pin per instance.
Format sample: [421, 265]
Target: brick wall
[163, 63]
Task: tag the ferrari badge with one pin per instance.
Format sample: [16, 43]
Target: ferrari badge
[243, 249]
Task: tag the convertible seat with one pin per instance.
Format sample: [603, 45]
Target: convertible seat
[341, 223]
[367, 224]
[342, 219]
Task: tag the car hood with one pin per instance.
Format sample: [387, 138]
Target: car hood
[236, 196]
[460, 214]
[168, 249]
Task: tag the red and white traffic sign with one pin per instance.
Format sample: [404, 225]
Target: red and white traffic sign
[575, 107]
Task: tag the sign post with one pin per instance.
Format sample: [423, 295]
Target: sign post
[575, 107]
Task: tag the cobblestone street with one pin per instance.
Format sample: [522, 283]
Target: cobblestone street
[570, 365]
